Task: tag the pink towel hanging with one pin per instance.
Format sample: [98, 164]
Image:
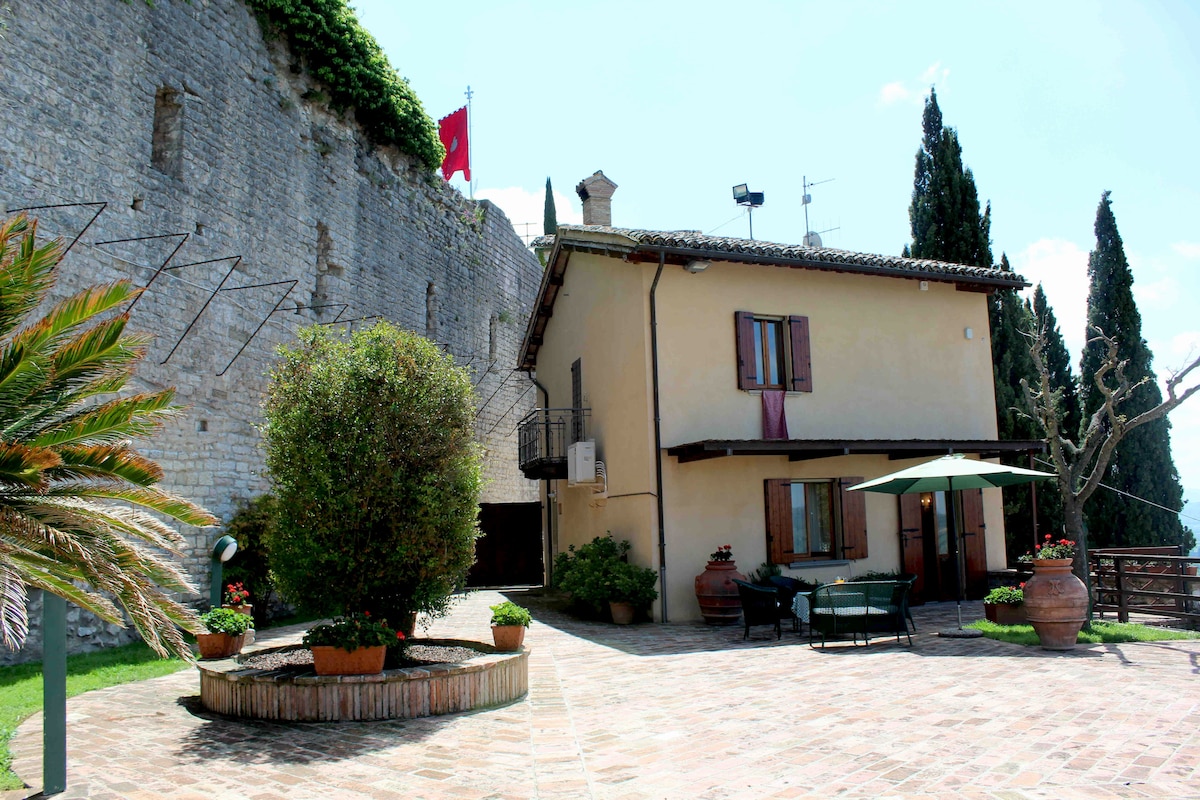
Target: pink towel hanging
[774, 419]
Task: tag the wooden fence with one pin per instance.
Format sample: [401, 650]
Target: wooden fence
[1158, 581]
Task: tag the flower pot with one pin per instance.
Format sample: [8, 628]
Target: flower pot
[244, 608]
[717, 593]
[338, 661]
[508, 637]
[1056, 603]
[622, 612]
[1005, 614]
[219, 645]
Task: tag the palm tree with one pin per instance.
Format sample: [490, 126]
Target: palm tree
[75, 496]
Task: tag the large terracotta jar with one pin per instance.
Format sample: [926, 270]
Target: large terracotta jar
[717, 593]
[1056, 603]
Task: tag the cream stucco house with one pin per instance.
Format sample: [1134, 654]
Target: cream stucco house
[678, 353]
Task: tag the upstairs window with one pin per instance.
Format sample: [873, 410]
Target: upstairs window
[773, 352]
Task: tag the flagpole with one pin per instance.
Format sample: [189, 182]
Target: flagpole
[470, 136]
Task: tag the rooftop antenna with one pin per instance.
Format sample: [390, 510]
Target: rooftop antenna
[752, 200]
[811, 237]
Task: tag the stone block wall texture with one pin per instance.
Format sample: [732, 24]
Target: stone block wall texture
[185, 120]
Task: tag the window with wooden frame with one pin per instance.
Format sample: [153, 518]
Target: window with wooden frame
[815, 520]
[773, 352]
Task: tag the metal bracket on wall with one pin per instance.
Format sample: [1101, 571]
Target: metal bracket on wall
[103, 205]
[236, 260]
[290, 284]
[161, 267]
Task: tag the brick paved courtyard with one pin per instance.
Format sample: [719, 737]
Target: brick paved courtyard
[684, 711]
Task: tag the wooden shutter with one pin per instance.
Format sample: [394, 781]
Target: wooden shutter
[912, 545]
[854, 519]
[974, 542]
[747, 367]
[779, 520]
[801, 355]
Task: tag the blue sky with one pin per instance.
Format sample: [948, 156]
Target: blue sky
[677, 102]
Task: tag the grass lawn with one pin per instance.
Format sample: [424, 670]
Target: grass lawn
[1096, 633]
[21, 687]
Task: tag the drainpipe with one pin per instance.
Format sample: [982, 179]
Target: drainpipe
[662, 532]
[546, 550]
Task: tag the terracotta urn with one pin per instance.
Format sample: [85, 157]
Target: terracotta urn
[508, 638]
[717, 593]
[622, 612]
[1005, 614]
[1056, 603]
[219, 645]
[339, 661]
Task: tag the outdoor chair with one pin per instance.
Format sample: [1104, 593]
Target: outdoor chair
[787, 589]
[760, 606]
[862, 607]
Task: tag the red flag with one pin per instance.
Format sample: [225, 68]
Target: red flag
[452, 130]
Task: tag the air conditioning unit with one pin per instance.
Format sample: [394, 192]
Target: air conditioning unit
[581, 463]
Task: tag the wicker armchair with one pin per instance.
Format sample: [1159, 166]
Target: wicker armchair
[760, 606]
[788, 588]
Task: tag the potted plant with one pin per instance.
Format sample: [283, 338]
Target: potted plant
[237, 597]
[1005, 605]
[716, 592]
[353, 644]
[631, 588]
[226, 633]
[509, 622]
[1056, 600]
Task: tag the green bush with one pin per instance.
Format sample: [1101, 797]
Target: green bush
[598, 572]
[762, 576]
[1005, 595]
[339, 52]
[875, 576]
[509, 613]
[370, 445]
[250, 565]
[630, 583]
[226, 620]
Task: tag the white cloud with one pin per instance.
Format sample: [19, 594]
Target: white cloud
[1187, 249]
[901, 92]
[1061, 267]
[1163, 291]
[893, 92]
[525, 208]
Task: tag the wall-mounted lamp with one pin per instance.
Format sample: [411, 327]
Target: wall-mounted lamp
[926, 501]
[924, 286]
[222, 551]
[697, 265]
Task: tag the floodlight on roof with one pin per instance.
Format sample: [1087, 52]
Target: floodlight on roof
[752, 200]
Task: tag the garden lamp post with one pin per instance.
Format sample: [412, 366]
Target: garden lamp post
[222, 551]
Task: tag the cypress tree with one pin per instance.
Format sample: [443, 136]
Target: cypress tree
[1142, 465]
[944, 215]
[1058, 360]
[1008, 317]
[549, 217]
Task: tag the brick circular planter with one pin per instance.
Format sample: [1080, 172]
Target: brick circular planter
[491, 679]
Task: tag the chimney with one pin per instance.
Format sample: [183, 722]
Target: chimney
[596, 193]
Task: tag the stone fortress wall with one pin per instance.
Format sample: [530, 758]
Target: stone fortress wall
[184, 120]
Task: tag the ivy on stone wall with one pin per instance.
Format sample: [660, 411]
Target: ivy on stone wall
[340, 53]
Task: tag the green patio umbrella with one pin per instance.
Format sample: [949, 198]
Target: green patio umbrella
[951, 474]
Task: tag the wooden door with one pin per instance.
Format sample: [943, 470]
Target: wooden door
[509, 552]
[912, 546]
[974, 541]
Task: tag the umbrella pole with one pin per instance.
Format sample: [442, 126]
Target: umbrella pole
[959, 571]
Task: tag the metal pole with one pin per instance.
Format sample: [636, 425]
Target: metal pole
[470, 138]
[1033, 504]
[54, 693]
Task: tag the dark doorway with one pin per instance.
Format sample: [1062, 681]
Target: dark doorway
[929, 553]
[509, 553]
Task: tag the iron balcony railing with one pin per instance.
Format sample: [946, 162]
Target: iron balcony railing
[543, 437]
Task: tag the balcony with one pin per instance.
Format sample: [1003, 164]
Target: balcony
[543, 437]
